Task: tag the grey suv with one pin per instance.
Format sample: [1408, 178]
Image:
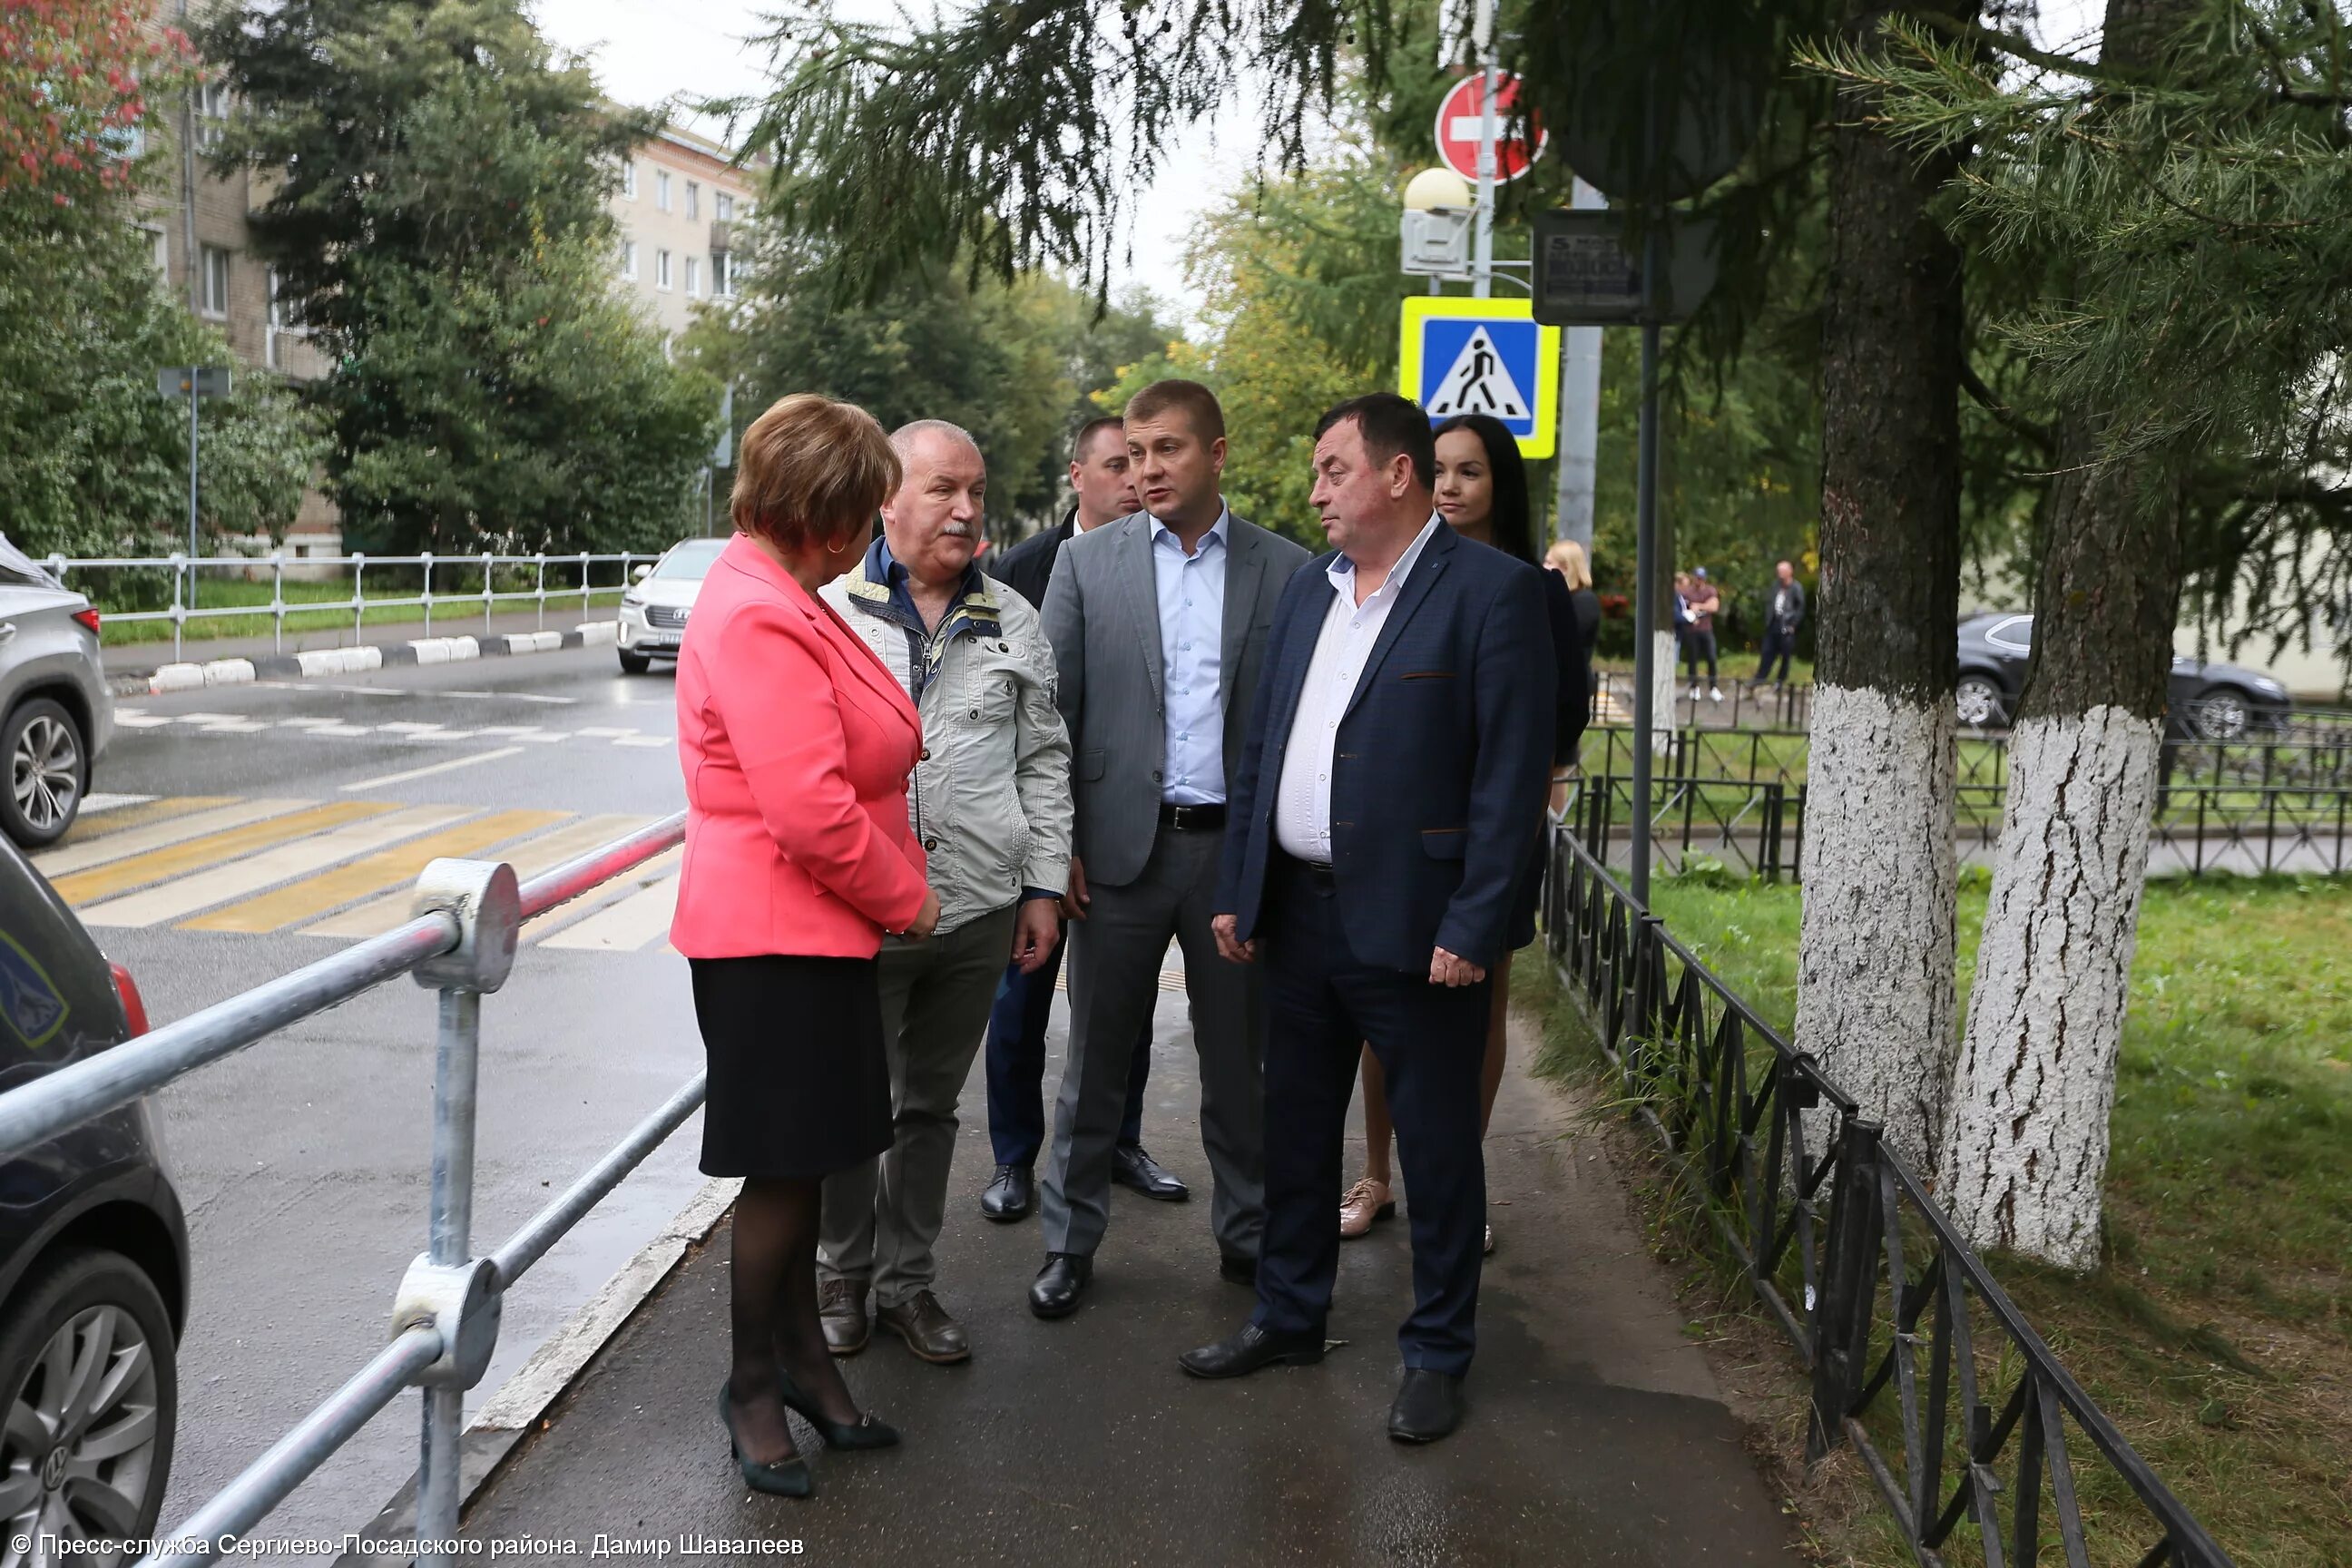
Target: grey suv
[56, 714]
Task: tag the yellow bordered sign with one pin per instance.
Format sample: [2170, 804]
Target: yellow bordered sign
[1483, 356]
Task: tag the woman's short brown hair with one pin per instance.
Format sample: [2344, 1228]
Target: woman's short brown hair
[812, 470]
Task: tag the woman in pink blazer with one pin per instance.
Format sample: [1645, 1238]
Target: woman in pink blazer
[796, 745]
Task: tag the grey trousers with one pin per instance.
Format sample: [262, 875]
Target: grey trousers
[1114, 965]
[880, 1219]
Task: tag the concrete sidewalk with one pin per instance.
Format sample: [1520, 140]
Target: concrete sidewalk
[1596, 1434]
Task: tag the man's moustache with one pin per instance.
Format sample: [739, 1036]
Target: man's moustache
[958, 531]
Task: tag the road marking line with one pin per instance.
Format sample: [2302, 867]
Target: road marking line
[579, 910]
[640, 919]
[643, 739]
[408, 728]
[342, 730]
[251, 873]
[102, 813]
[314, 895]
[159, 865]
[604, 732]
[528, 858]
[453, 764]
[139, 720]
[138, 829]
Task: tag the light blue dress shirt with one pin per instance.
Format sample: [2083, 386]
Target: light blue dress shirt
[1192, 652]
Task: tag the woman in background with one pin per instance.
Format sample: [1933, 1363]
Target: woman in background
[1566, 557]
[1482, 493]
[796, 745]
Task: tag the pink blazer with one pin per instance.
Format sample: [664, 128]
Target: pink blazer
[797, 744]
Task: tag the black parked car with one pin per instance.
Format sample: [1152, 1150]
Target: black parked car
[93, 1256]
[2209, 701]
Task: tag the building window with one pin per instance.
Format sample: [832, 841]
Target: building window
[629, 178]
[283, 324]
[629, 259]
[722, 207]
[693, 277]
[722, 276]
[661, 189]
[212, 290]
[661, 269]
[693, 199]
[212, 112]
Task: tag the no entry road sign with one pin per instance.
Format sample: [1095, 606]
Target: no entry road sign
[1458, 120]
[1483, 356]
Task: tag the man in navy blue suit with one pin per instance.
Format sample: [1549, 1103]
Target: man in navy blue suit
[1394, 775]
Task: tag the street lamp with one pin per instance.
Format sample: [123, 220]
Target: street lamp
[1435, 228]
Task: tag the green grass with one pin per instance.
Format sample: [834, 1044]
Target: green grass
[2217, 1331]
[216, 594]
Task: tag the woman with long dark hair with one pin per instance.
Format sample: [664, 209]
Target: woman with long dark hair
[1482, 493]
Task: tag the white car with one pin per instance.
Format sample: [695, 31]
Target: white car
[653, 610]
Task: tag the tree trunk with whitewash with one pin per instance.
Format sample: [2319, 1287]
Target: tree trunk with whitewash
[1874, 984]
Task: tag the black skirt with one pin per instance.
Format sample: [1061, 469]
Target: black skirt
[799, 1084]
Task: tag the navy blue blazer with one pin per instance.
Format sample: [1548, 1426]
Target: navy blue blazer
[1441, 768]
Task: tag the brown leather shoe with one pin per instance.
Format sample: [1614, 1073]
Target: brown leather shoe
[1362, 1204]
[927, 1330]
[841, 1309]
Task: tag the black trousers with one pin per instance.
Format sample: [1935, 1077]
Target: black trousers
[1695, 643]
[1780, 645]
[1016, 1066]
[1430, 1040]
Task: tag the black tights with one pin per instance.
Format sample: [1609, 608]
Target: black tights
[772, 1282]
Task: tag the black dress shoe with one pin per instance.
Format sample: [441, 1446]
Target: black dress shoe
[1251, 1349]
[1059, 1283]
[1011, 1195]
[1428, 1406]
[1239, 1270]
[1132, 1167]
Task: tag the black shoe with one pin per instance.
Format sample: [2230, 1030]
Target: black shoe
[784, 1478]
[1428, 1406]
[1059, 1283]
[1132, 1167]
[1011, 1195]
[863, 1433]
[1251, 1349]
[1239, 1270]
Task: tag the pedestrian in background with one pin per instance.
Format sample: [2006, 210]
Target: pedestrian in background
[1566, 557]
[1784, 612]
[797, 744]
[991, 804]
[1482, 494]
[1104, 486]
[1705, 604]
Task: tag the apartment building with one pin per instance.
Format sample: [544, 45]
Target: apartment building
[679, 211]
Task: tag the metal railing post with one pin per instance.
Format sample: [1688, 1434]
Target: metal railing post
[456, 1060]
[427, 559]
[542, 562]
[1842, 1317]
[359, 594]
[179, 614]
[584, 583]
[278, 602]
[489, 591]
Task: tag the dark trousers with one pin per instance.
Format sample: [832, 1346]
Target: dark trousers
[1695, 643]
[1780, 645]
[1016, 1066]
[1431, 1041]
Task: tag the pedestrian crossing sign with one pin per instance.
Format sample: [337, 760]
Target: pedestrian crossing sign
[1483, 356]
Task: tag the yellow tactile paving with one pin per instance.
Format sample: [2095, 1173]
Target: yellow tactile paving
[159, 865]
[315, 896]
[248, 874]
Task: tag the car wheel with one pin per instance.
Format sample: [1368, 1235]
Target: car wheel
[634, 663]
[89, 1375]
[1980, 701]
[49, 771]
[2224, 713]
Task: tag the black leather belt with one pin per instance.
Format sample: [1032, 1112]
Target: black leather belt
[1191, 818]
[1314, 873]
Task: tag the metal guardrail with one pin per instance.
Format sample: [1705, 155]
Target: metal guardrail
[445, 1324]
[184, 569]
[1847, 1250]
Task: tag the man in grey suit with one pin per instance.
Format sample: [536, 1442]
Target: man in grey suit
[1157, 622]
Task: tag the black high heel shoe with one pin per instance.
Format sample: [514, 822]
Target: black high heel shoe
[784, 1478]
[863, 1433]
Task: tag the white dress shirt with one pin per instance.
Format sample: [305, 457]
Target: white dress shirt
[1302, 804]
[1192, 651]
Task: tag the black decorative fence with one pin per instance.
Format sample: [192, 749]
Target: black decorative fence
[1756, 827]
[1979, 1440]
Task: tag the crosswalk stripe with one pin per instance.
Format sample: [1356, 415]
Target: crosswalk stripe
[138, 814]
[642, 918]
[543, 853]
[139, 840]
[372, 828]
[314, 895]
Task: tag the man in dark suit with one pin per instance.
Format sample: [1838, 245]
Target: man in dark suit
[1394, 777]
[1100, 479]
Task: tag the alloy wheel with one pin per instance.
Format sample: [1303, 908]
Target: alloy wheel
[1978, 702]
[77, 1456]
[46, 772]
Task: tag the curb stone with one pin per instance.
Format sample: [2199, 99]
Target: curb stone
[190, 677]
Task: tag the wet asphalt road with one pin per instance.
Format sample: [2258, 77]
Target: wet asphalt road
[302, 1162]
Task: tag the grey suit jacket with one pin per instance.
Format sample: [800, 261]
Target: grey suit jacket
[1102, 616]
